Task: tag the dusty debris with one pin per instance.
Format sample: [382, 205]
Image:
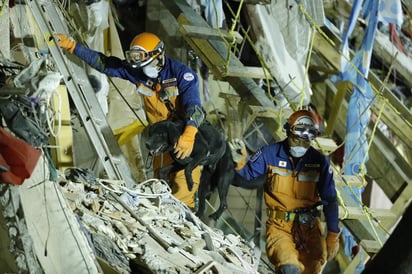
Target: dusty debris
[154, 230]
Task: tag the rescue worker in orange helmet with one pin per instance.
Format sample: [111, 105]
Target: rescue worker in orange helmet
[167, 86]
[299, 179]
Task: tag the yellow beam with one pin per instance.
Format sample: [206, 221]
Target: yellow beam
[348, 180]
[342, 87]
[351, 212]
[209, 33]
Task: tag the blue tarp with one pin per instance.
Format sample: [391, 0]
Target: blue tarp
[356, 71]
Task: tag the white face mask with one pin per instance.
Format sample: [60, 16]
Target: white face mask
[151, 71]
[298, 151]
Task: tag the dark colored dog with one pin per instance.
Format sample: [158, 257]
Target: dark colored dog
[208, 148]
[221, 176]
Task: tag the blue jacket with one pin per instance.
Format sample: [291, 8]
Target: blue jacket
[177, 81]
[295, 183]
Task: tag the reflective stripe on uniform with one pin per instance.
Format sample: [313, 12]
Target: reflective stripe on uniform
[283, 215]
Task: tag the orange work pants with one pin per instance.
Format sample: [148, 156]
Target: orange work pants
[178, 180]
[281, 247]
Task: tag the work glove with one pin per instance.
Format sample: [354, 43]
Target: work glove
[125, 134]
[185, 143]
[332, 244]
[239, 152]
[65, 42]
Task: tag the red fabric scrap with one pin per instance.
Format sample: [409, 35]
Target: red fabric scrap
[19, 157]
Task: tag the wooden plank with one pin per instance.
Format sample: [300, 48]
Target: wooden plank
[387, 166]
[385, 163]
[351, 266]
[398, 118]
[245, 87]
[398, 208]
[351, 212]
[209, 33]
[370, 246]
[395, 116]
[247, 71]
[348, 180]
[356, 221]
[342, 89]
[325, 145]
[385, 50]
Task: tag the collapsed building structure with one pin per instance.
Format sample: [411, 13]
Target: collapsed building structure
[82, 192]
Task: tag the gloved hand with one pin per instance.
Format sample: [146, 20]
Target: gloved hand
[184, 146]
[126, 133]
[332, 244]
[239, 152]
[65, 42]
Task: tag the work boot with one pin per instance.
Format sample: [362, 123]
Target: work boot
[288, 269]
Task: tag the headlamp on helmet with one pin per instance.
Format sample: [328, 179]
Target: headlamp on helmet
[303, 124]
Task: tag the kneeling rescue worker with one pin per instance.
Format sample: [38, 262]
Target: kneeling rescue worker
[168, 88]
[299, 178]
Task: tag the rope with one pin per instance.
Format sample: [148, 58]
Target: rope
[3, 7]
[232, 43]
[342, 203]
[74, 29]
[364, 208]
[362, 166]
[307, 66]
[266, 70]
[331, 42]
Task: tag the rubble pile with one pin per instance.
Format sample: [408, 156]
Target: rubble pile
[146, 229]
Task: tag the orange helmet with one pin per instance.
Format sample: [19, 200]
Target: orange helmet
[144, 48]
[304, 124]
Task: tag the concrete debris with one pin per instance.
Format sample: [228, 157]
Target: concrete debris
[153, 230]
[20, 245]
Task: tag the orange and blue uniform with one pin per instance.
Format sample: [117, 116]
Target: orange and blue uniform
[176, 84]
[294, 187]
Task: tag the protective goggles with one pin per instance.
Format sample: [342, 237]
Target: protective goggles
[136, 56]
[139, 57]
[304, 132]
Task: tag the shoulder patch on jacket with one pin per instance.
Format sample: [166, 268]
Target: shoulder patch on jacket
[188, 76]
[255, 156]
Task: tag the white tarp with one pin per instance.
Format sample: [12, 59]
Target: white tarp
[60, 245]
[283, 36]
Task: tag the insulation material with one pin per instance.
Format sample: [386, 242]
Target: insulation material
[283, 37]
[53, 228]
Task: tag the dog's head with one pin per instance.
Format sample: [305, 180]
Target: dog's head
[162, 137]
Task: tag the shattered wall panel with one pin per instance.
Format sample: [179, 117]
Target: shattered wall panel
[282, 38]
[59, 243]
